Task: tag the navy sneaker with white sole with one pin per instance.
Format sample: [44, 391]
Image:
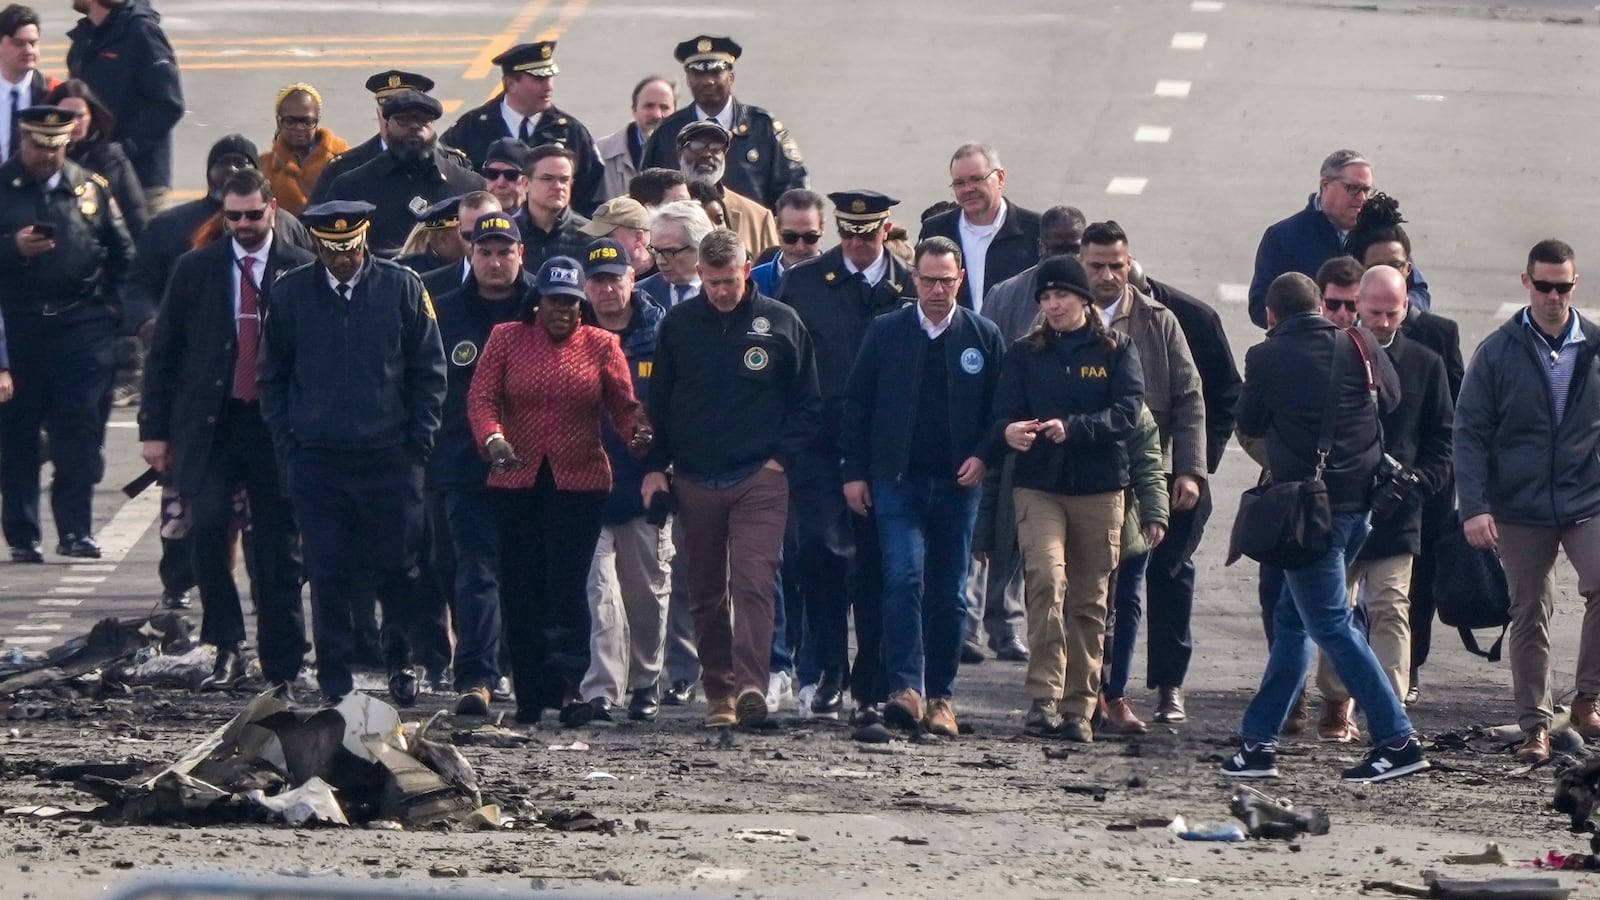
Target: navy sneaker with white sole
[1253, 761]
[1384, 762]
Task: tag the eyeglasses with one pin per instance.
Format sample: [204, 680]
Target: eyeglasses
[974, 181]
[495, 173]
[1561, 287]
[948, 283]
[555, 179]
[254, 215]
[1396, 264]
[794, 237]
[667, 253]
[1336, 305]
[706, 146]
[1356, 191]
[297, 121]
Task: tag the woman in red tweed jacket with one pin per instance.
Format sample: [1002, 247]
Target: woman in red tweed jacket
[535, 406]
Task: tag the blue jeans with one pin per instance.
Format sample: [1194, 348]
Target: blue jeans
[1125, 634]
[1314, 607]
[782, 653]
[925, 528]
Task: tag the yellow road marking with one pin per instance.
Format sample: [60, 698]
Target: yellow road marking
[372, 61]
[481, 65]
[450, 106]
[569, 13]
[336, 39]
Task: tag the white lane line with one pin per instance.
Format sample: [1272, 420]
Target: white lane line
[129, 525]
[1233, 293]
[28, 639]
[61, 601]
[122, 424]
[1168, 88]
[83, 579]
[42, 626]
[1430, 98]
[50, 615]
[1127, 186]
[1206, 6]
[1189, 40]
[1152, 134]
[93, 567]
[72, 589]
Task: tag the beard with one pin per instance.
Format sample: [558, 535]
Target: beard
[415, 148]
[707, 173]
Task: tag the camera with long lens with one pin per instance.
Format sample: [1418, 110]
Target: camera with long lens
[1393, 484]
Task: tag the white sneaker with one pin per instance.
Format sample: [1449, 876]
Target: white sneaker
[802, 700]
[780, 688]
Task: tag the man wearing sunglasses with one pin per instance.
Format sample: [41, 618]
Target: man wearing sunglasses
[209, 437]
[1304, 241]
[1527, 454]
[837, 559]
[799, 234]
[1339, 283]
[703, 157]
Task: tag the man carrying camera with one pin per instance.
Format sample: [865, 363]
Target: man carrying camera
[1415, 466]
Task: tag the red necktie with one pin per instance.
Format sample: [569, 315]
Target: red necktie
[249, 321]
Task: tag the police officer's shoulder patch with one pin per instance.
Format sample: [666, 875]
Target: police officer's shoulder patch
[427, 305]
[99, 179]
[464, 353]
[791, 150]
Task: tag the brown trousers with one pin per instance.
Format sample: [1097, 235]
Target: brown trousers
[1069, 549]
[733, 537]
[1529, 555]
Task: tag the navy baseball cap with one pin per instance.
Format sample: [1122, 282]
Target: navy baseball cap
[560, 276]
[496, 225]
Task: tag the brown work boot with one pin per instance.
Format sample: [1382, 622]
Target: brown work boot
[1170, 710]
[1042, 715]
[1336, 725]
[722, 712]
[1298, 716]
[1119, 718]
[1586, 715]
[904, 709]
[1536, 747]
[474, 701]
[941, 717]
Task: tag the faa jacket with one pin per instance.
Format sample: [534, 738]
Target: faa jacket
[730, 391]
[130, 65]
[880, 399]
[1092, 383]
[1285, 388]
[1513, 459]
[465, 320]
[362, 374]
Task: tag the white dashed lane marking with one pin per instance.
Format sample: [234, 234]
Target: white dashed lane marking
[1206, 6]
[1169, 88]
[1189, 40]
[1233, 293]
[61, 601]
[1127, 186]
[1152, 134]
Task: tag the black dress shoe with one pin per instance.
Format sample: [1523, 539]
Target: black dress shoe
[643, 705]
[29, 554]
[829, 698]
[528, 715]
[175, 600]
[403, 687]
[576, 714]
[679, 694]
[228, 671]
[602, 709]
[78, 546]
[1011, 650]
[971, 653]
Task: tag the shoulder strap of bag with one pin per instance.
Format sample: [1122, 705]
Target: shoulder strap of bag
[1470, 641]
[1330, 405]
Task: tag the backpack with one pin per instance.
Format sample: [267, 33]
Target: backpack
[1469, 588]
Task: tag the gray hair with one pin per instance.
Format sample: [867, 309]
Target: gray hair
[687, 215]
[722, 248]
[1338, 159]
[976, 148]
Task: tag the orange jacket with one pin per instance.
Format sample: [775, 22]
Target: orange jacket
[292, 181]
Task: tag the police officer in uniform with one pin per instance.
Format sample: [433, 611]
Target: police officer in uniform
[763, 160]
[524, 109]
[837, 295]
[382, 85]
[63, 255]
[496, 291]
[352, 378]
[409, 176]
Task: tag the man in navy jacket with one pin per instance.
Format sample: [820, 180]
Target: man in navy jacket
[919, 465]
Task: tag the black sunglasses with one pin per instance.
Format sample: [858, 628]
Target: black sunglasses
[491, 173]
[1561, 287]
[254, 215]
[809, 237]
[1337, 305]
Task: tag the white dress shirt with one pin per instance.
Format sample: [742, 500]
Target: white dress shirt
[975, 241]
[1108, 314]
[934, 330]
[334, 282]
[258, 270]
[682, 292]
[513, 119]
[24, 100]
[873, 273]
[723, 118]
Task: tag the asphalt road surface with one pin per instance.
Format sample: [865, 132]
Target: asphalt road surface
[1194, 124]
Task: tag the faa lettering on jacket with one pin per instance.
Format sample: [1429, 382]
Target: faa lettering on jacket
[1092, 372]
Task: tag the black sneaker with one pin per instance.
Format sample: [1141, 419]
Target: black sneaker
[1253, 761]
[1384, 763]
